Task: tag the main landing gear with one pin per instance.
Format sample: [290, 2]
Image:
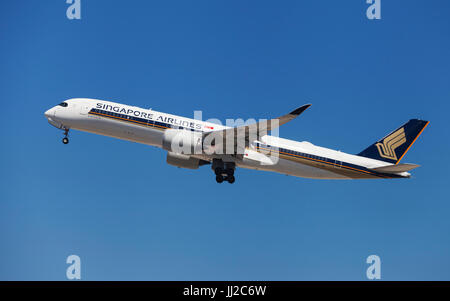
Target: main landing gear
[224, 171]
[65, 140]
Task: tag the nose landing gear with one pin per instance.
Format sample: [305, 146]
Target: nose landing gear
[65, 140]
[224, 171]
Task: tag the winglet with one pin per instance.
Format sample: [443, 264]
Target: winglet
[300, 110]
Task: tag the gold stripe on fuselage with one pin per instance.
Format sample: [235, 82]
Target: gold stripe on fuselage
[333, 167]
[341, 169]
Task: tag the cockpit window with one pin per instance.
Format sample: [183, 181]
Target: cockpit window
[63, 104]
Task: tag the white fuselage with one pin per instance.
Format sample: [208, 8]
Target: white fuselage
[301, 159]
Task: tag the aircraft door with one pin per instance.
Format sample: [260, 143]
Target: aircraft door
[337, 163]
[84, 109]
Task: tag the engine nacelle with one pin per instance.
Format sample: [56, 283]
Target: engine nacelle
[182, 141]
[183, 161]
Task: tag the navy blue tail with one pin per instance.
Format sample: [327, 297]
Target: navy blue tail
[394, 146]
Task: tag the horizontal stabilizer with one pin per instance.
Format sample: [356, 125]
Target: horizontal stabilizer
[396, 168]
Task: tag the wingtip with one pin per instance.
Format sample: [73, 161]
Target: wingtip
[300, 110]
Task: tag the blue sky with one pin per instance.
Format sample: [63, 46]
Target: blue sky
[129, 216]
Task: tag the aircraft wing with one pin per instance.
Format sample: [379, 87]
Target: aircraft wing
[260, 128]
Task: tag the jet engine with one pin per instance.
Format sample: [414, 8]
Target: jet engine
[183, 161]
[182, 141]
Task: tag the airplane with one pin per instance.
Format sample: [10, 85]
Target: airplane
[184, 139]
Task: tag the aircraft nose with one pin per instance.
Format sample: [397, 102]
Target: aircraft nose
[49, 113]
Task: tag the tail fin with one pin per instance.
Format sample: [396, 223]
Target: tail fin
[394, 146]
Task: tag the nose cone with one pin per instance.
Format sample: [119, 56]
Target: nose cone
[49, 113]
[51, 118]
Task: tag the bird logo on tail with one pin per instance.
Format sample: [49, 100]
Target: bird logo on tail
[391, 143]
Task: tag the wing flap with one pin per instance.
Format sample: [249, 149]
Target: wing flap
[249, 132]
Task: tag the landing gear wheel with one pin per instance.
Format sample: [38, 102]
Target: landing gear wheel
[230, 172]
[65, 140]
[231, 179]
[218, 171]
[224, 171]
